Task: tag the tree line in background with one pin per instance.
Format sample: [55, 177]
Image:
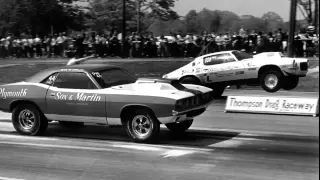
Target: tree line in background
[156, 16]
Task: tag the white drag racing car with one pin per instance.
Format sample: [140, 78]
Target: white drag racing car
[271, 70]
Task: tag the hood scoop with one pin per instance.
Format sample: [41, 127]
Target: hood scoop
[163, 84]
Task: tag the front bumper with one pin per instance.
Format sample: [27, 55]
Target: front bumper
[300, 69]
[184, 115]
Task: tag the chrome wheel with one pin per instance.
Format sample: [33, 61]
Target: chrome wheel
[271, 81]
[141, 125]
[26, 119]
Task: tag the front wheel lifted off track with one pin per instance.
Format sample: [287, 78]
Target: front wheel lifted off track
[142, 126]
[27, 120]
[271, 80]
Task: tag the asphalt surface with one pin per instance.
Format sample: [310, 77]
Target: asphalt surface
[104, 153]
[219, 146]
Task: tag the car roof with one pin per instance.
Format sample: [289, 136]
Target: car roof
[217, 53]
[85, 67]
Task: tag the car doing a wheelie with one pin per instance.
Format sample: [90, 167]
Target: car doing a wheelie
[271, 70]
[104, 95]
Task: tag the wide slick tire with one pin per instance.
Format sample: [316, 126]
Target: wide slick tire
[291, 82]
[179, 127]
[271, 80]
[218, 91]
[142, 126]
[28, 120]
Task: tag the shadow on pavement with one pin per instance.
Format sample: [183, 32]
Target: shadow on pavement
[189, 138]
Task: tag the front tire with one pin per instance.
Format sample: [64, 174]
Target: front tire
[27, 120]
[142, 126]
[291, 82]
[271, 81]
[179, 127]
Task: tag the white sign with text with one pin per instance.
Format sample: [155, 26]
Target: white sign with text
[273, 105]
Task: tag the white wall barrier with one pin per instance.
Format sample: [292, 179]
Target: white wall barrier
[273, 105]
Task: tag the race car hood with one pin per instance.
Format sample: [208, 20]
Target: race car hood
[176, 74]
[161, 87]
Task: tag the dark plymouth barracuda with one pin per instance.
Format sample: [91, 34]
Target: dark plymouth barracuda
[104, 95]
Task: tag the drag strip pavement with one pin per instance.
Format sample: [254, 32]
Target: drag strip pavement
[94, 152]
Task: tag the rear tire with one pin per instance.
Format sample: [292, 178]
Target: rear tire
[271, 80]
[142, 126]
[179, 127]
[28, 120]
[291, 82]
[218, 91]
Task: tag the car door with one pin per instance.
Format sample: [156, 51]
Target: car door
[222, 67]
[73, 96]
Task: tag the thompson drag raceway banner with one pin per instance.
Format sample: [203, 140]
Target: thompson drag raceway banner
[273, 105]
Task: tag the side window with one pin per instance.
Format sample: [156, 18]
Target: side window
[50, 80]
[74, 80]
[227, 58]
[218, 59]
[113, 77]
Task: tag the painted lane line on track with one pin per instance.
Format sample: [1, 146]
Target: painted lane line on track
[166, 154]
[227, 144]
[58, 146]
[176, 153]
[20, 137]
[9, 65]
[138, 147]
[123, 145]
[7, 178]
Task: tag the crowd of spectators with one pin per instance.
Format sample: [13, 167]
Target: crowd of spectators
[138, 46]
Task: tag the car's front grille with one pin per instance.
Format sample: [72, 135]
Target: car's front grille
[304, 66]
[195, 112]
[194, 101]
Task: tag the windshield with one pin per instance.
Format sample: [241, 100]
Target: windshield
[241, 55]
[113, 77]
